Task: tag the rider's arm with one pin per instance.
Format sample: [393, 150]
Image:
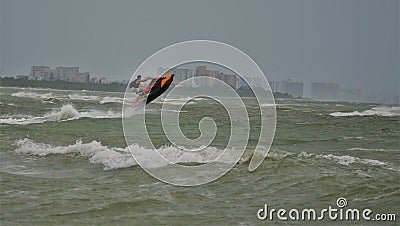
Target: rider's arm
[146, 79]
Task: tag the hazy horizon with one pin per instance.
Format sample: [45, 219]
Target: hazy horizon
[354, 43]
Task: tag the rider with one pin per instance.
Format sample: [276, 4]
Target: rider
[134, 85]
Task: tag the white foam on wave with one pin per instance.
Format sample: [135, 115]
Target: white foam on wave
[66, 112]
[115, 158]
[372, 149]
[111, 100]
[345, 160]
[82, 97]
[177, 101]
[76, 97]
[352, 137]
[22, 120]
[101, 100]
[33, 95]
[377, 111]
[110, 158]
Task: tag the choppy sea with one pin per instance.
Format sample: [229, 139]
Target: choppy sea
[64, 161]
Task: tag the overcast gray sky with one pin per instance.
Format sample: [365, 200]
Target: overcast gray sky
[352, 42]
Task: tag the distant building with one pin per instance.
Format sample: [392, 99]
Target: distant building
[255, 81]
[290, 87]
[53, 74]
[182, 75]
[104, 80]
[68, 74]
[324, 91]
[201, 70]
[40, 73]
[275, 86]
[230, 79]
[93, 79]
[293, 88]
[83, 77]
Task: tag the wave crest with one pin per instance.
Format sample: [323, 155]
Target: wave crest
[66, 112]
[115, 158]
[375, 111]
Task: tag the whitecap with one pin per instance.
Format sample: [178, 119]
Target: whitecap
[83, 97]
[372, 149]
[111, 100]
[347, 160]
[110, 158]
[115, 158]
[33, 95]
[66, 112]
[377, 111]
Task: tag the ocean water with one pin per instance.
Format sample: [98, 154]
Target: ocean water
[64, 161]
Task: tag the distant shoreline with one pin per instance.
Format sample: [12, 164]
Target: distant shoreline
[111, 87]
[62, 85]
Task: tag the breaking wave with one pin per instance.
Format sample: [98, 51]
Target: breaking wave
[115, 158]
[76, 97]
[82, 97]
[345, 160]
[375, 111]
[110, 158]
[111, 100]
[66, 112]
[33, 95]
[373, 149]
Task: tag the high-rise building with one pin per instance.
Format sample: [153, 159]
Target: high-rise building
[40, 73]
[324, 91]
[180, 75]
[201, 70]
[68, 74]
[229, 79]
[183, 74]
[290, 87]
[83, 77]
[275, 86]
